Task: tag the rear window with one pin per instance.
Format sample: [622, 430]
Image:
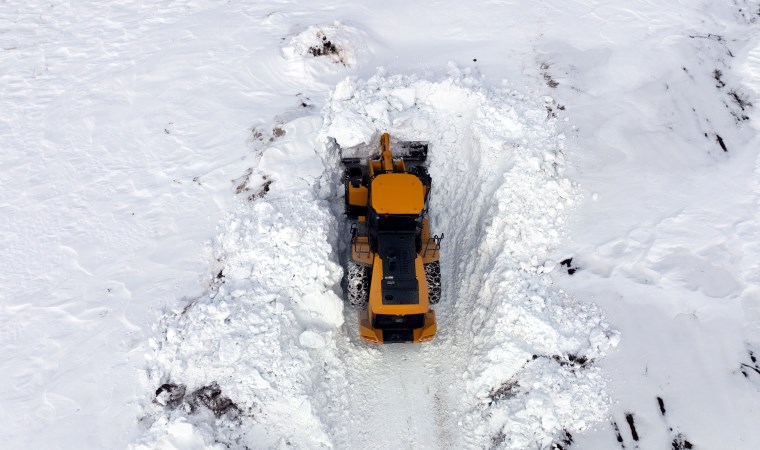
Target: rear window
[396, 224]
[408, 321]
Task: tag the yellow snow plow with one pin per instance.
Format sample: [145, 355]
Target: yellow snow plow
[394, 270]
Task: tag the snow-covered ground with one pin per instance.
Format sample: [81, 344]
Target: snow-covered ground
[171, 212]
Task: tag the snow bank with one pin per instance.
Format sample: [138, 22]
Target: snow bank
[523, 351]
[242, 365]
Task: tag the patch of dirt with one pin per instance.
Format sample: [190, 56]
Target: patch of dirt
[174, 396]
[551, 110]
[717, 76]
[661, 404]
[573, 360]
[327, 48]
[547, 76]
[506, 391]
[211, 397]
[568, 265]
[262, 191]
[256, 134]
[618, 436]
[742, 101]
[565, 441]
[277, 132]
[242, 182]
[632, 426]
[681, 443]
[498, 439]
[720, 142]
[746, 369]
[243, 185]
[170, 395]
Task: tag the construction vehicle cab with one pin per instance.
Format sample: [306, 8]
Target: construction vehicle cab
[394, 270]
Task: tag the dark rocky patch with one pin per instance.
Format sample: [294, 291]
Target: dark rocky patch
[550, 82]
[573, 360]
[719, 83]
[720, 142]
[547, 77]
[257, 134]
[170, 395]
[632, 426]
[755, 368]
[261, 192]
[569, 266]
[618, 436]
[565, 441]
[740, 100]
[174, 396]
[661, 403]
[498, 439]
[244, 185]
[681, 443]
[276, 133]
[552, 108]
[211, 397]
[242, 182]
[506, 391]
[326, 48]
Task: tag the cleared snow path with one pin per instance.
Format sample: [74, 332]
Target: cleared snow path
[513, 362]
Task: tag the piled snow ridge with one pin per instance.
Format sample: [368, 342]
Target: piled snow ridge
[242, 366]
[524, 351]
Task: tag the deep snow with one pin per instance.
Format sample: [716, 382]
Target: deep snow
[171, 216]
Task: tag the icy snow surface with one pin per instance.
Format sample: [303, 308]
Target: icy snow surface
[171, 207]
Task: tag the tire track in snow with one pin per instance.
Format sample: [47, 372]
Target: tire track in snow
[392, 398]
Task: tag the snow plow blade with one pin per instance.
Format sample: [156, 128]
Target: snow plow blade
[415, 152]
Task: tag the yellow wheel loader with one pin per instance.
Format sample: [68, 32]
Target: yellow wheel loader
[394, 271]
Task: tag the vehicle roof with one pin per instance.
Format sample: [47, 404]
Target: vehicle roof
[397, 193]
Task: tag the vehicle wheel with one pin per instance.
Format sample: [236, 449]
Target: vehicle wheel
[433, 277]
[357, 284]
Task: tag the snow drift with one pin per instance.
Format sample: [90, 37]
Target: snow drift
[264, 333]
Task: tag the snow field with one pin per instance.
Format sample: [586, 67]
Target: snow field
[130, 131]
[667, 244]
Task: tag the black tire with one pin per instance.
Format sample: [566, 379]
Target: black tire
[433, 277]
[357, 284]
